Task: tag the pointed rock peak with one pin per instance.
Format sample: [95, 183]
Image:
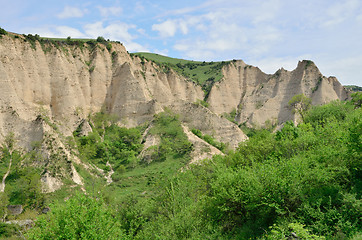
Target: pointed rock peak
[306, 64]
[280, 70]
[239, 61]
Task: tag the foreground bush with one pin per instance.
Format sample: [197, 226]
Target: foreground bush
[81, 217]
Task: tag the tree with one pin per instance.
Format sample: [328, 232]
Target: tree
[300, 104]
[3, 32]
[101, 39]
[357, 99]
[81, 217]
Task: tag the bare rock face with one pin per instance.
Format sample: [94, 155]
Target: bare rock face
[69, 83]
[65, 84]
[201, 149]
[201, 118]
[258, 97]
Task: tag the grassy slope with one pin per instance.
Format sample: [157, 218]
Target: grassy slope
[203, 73]
[353, 88]
[72, 39]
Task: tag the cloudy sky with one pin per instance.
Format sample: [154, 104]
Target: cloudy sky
[269, 34]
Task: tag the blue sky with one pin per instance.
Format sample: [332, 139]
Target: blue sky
[269, 34]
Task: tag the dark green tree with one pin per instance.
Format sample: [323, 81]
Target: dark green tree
[300, 104]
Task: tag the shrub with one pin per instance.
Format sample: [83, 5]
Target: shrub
[109, 46]
[81, 217]
[174, 142]
[101, 39]
[3, 32]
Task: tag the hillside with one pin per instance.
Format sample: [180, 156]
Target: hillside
[83, 115]
[353, 88]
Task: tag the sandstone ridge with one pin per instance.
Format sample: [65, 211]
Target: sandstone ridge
[66, 83]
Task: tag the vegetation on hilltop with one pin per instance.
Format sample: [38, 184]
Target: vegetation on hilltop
[45, 42]
[203, 73]
[2, 32]
[353, 88]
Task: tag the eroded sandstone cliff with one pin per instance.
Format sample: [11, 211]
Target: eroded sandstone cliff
[66, 83]
[258, 97]
[48, 90]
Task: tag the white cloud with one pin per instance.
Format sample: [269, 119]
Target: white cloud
[69, 31]
[119, 31]
[166, 29]
[116, 31]
[71, 12]
[56, 32]
[109, 11]
[163, 52]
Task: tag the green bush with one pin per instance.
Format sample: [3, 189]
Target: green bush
[81, 217]
[101, 39]
[109, 46]
[3, 32]
[210, 140]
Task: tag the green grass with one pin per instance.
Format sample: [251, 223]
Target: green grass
[353, 88]
[140, 181]
[204, 74]
[163, 59]
[65, 39]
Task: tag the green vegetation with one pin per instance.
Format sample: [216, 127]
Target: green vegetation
[302, 180]
[109, 143]
[357, 99]
[60, 43]
[308, 63]
[121, 147]
[300, 104]
[231, 116]
[174, 143]
[210, 140]
[81, 217]
[202, 103]
[353, 88]
[317, 84]
[203, 73]
[2, 32]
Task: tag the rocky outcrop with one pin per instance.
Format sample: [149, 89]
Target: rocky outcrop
[70, 82]
[258, 97]
[201, 149]
[65, 83]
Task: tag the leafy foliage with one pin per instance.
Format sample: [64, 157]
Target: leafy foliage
[357, 99]
[174, 142]
[81, 217]
[300, 104]
[210, 140]
[302, 181]
[353, 88]
[109, 143]
[3, 32]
